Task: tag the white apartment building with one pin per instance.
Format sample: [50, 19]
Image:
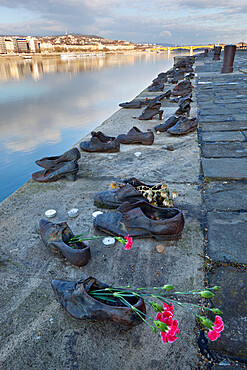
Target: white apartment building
[3, 49]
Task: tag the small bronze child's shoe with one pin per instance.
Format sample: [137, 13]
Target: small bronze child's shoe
[100, 143]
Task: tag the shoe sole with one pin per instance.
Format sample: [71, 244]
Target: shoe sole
[173, 237]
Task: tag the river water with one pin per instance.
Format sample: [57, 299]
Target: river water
[48, 104]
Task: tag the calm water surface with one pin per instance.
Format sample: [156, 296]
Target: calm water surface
[47, 104]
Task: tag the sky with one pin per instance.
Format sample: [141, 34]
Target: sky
[181, 22]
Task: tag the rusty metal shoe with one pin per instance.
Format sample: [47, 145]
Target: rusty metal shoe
[68, 156]
[101, 143]
[135, 104]
[184, 107]
[63, 169]
[56, 236]
[184, 126]
[183, 88]
[128, 190]
[159, 86]
[171, 121]
[152, 109]
[115, 197]
[75, 298]
[136, 136]
[142, 220]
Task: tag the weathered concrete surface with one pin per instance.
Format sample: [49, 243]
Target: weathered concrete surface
[36, 332]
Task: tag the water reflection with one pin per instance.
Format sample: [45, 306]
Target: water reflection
[17, 68]
[48, 105]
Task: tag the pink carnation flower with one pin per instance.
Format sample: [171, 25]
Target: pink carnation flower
[166, 317]
[129, 243]
[217, 329]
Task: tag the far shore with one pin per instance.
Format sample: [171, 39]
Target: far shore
[58, 54]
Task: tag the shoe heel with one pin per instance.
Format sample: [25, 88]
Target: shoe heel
[169, 237]
[160, 114]
[71, 176]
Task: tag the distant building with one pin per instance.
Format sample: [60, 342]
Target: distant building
[9, 45]
[20, 45]
[3, 49]
[33, 44]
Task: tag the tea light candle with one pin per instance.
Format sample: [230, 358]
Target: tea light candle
[109, 241]
[73, 212]
[50, 213]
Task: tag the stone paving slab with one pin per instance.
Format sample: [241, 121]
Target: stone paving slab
[219, 118]
[224, 150]
[223, 126]
[227, 236]
[223, 136]
[233, 302]
[225, 168]
[226, 196]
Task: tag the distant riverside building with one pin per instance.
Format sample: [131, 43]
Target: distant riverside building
[20, 45]
[3, 49]
[9, 45]
[32, 44]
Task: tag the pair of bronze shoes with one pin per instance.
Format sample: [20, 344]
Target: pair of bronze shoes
[135, 216]
[178, 125]
[65, 165]
[183, 88]
[107, 144]
[101, 143]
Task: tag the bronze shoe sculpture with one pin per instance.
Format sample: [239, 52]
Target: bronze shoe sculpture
[130, 190]
[135, 104]
[136, 136]
[152, 109]
[68, 156]
[183, 126]
[171, 121]
[100, 143]
[182, 89]
[56, 237]
[142, 220]
[75, 298]
[62, 169]
[158, 86]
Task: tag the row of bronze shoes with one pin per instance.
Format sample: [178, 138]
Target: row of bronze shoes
[66, 165]
[135, 216]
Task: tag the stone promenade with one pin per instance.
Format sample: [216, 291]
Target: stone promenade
[222, 133]
[36, 333]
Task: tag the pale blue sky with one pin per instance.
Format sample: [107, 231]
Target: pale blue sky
[168, 21]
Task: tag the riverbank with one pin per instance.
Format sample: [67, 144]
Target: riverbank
[36, 331]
